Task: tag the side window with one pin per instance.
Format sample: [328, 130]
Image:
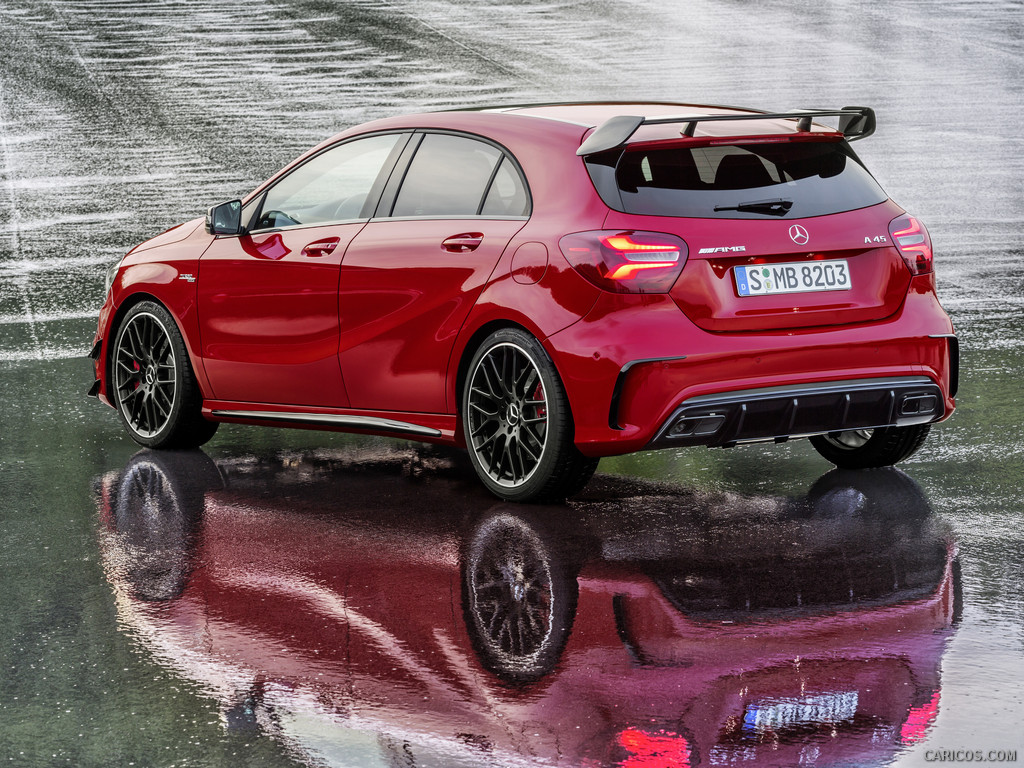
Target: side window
[507, 195]
[333, 186]
[447, 177]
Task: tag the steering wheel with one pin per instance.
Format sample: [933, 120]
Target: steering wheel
[272, 219]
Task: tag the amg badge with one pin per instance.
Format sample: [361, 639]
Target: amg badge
[724, 249]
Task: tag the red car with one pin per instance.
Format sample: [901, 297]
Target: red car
[546, 285]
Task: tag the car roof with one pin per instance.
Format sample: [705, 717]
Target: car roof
[576, 118]
[592, 114]
[522, 127]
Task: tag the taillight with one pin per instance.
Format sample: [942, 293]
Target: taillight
[626, 262]
[911, 239]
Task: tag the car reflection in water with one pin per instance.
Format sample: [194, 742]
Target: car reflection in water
[380, 608]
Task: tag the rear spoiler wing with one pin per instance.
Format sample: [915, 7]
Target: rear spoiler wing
[854, 123]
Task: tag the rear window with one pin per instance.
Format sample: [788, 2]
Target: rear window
[735, 181]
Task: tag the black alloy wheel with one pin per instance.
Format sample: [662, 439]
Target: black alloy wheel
[517, 423]
[154, 387]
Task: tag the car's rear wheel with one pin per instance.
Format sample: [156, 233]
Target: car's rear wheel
[517, 423]
[865, 448]
[154, 388]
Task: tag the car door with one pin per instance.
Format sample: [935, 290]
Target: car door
[268, 299]
[411, 275]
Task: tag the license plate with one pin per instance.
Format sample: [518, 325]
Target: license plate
[792, 277]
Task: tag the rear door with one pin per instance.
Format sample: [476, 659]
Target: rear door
[410, 277]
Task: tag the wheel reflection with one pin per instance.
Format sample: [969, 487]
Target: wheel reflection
[519, 600]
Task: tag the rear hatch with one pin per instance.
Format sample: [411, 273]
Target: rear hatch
[782, 233]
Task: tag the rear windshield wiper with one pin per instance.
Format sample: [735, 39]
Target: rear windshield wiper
[777, 207]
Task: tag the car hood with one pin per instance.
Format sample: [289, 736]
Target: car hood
[172, 235]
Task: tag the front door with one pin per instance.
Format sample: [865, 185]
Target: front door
[268, 300]
[268, 307]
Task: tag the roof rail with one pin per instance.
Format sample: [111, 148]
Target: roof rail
[854, 123]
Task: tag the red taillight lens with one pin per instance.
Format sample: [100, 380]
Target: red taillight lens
[911, 239]
[626, 262]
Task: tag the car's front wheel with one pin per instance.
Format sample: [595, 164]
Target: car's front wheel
[517, 423]
[154, 388]
[866, 448]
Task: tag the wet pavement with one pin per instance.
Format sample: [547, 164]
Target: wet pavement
[296, 598]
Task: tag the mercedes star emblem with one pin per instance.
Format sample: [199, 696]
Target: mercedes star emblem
[799, 234]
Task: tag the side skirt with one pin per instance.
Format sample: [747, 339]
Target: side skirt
[432, 427]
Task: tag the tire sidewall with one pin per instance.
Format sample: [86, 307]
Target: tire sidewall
[886, 447]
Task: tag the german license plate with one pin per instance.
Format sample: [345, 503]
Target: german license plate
[792, 277]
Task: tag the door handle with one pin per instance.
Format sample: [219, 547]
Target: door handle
[320, 247]
[467, 241]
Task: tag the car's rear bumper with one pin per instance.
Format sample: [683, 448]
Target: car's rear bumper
[776, 413]
[630, 391]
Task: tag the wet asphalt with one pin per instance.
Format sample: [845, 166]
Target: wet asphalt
[295, 598]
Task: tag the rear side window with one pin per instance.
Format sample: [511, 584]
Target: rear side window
[507, 195]
[736, 181]
[456, 176]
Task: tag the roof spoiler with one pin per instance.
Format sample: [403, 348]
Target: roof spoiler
[854, 123]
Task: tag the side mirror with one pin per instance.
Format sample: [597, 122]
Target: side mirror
[225, 219]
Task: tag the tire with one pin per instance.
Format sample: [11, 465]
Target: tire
[867, 448]
[519, 598]
[517, 422]
[153, 385]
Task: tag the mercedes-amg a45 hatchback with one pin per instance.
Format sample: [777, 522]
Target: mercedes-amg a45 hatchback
[546, 285]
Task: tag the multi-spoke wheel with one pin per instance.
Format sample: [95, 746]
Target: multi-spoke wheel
[517, 423]
[518, 599]
[866, 448]
[153, 386]
[508, 414]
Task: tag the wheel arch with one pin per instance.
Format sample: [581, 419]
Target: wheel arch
[132, 300]
[553, 468]
[470, 348]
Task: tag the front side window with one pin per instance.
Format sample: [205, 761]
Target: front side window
[448, 176]
[332, 186]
